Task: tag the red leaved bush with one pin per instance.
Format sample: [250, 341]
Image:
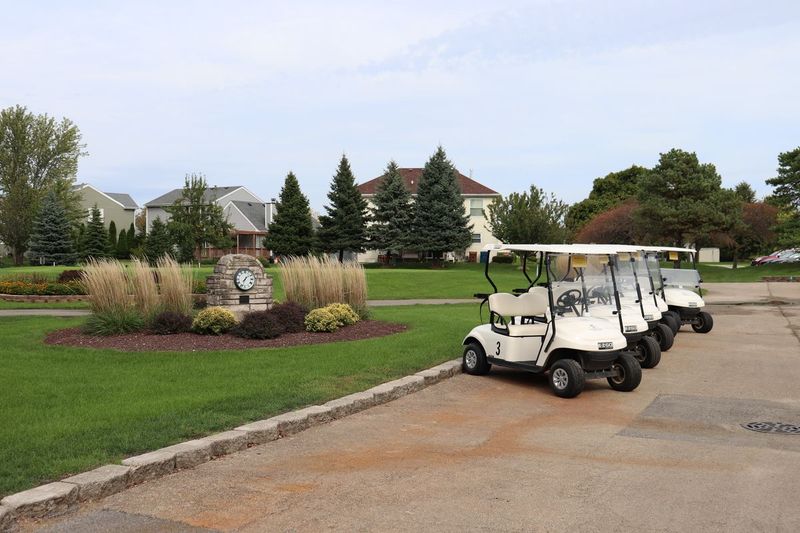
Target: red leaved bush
[613, 226]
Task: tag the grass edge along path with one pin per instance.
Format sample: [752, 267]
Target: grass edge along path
[67, 410]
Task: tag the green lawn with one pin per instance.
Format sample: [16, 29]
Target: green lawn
[745, 272]
[50, 305]
[66, 410]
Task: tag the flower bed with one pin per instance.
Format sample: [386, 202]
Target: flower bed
[41, 288]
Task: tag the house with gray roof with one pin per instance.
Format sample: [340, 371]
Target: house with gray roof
[114, 206]
[247, 213]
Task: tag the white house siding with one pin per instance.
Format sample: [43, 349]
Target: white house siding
[156, 212]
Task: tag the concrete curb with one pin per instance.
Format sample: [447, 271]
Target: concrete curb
[62, 496]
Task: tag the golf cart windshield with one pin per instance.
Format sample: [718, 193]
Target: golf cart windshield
[682, 278]
[579, 282]
[626, 279]
[651, 265]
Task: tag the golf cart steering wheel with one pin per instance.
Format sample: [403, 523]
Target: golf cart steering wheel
[601, 293]
[569, 300]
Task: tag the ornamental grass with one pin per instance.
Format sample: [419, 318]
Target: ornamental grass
[112, 310]
[315, 282]
[175, 282]
[144, 289]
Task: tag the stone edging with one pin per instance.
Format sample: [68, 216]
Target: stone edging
[36, 298]
[59, 497]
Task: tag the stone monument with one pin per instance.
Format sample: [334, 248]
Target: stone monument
[240, 285]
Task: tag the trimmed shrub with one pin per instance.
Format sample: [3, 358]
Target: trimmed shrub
[46, 288]
[344, 314]
[290, 316]
[503, 259]
[70, 275]
[258, 325]
[321, 320]
[114, 322]
[213, 321]
[170, 322]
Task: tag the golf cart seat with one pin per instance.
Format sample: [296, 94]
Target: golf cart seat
[523, 316]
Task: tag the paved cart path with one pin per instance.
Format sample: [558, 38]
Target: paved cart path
[501, 453]
[718, 293]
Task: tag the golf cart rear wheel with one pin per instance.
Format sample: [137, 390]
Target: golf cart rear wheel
[663, 336]
[474, 361]
[703, 323]
[673, 323]
[629, 373]
[648, 353]
[567, 378]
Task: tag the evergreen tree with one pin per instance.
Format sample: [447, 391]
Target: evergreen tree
[291, 232]
[158, 242]
[440, 222]
[51, 235]
[344, 227]
[112, 238]
[78, 237]
[787, 182]
[122, 251]
[133, 240]
[95, 241]
[392, 215]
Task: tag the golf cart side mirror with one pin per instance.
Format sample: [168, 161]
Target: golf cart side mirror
[484, 256]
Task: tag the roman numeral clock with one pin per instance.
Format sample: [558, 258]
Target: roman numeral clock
[239, 284]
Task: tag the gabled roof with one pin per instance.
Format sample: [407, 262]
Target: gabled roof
[254, 212]
[123, 198]
[411, 177]
[212, 194]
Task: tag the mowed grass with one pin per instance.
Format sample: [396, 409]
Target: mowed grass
[67, 410]
[745, 272]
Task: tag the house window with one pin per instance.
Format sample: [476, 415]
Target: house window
[476, 207]
[89, 215]
[476, 237]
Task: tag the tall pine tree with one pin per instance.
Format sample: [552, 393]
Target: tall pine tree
[392, 214]
[158, 242]
[112, 238]
[95, 238]
[291, 232]
[344, 227]
[440, 221]
[51, 235]
[122, 251]
[133, 240]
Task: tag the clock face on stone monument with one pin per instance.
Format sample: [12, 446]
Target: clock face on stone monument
[244, 279]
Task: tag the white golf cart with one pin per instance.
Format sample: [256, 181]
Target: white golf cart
[681, 289]
[648, 271]
[635, 305]
[541, 330]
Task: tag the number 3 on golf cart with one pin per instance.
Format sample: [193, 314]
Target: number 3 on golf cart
[537, 334]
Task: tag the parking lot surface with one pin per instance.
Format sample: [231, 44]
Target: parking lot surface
[502, 453]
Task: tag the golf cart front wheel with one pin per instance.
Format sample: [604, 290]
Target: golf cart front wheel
[567, 378]
[474, 361]
[629, 373]
[648, 352]
[671, 321]
[663, 336]
[703, 323]
[676, 317]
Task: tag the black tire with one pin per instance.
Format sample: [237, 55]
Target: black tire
[630, 373]
[474, 361]
[677, 317]
[664, 337]
[567, 378]
[670, 321]
[703, 323]
[648, 353]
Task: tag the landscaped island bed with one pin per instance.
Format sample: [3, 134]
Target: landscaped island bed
[189, 342]
[69, 409]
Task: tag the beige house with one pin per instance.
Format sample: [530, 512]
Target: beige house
[117, 207]
[248, 214]
[476, 198]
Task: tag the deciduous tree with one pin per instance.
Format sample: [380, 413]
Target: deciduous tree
[607, 192]
[529, 217]
[196, 220]
[615, 226]
[37, 154]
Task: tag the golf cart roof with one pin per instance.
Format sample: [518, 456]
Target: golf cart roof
[603, 249]
[667, 249]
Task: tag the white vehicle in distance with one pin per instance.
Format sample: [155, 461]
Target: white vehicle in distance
[532, 331]
[681, 288]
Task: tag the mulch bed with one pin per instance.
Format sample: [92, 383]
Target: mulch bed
[190, 342]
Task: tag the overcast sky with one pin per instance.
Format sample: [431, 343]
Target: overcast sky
[551, 93]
